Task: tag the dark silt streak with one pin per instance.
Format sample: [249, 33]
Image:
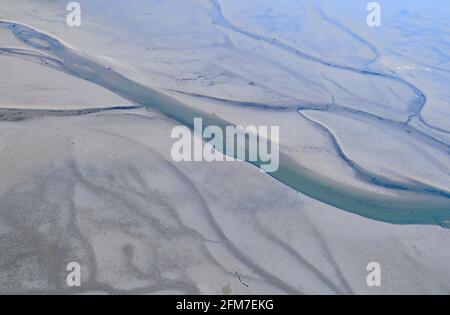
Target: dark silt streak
[405, 208]
[318, 10]
[17, 114]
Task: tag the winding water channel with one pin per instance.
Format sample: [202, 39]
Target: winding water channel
[411, 204]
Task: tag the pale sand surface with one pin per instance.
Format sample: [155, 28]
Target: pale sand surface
[101, 190]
